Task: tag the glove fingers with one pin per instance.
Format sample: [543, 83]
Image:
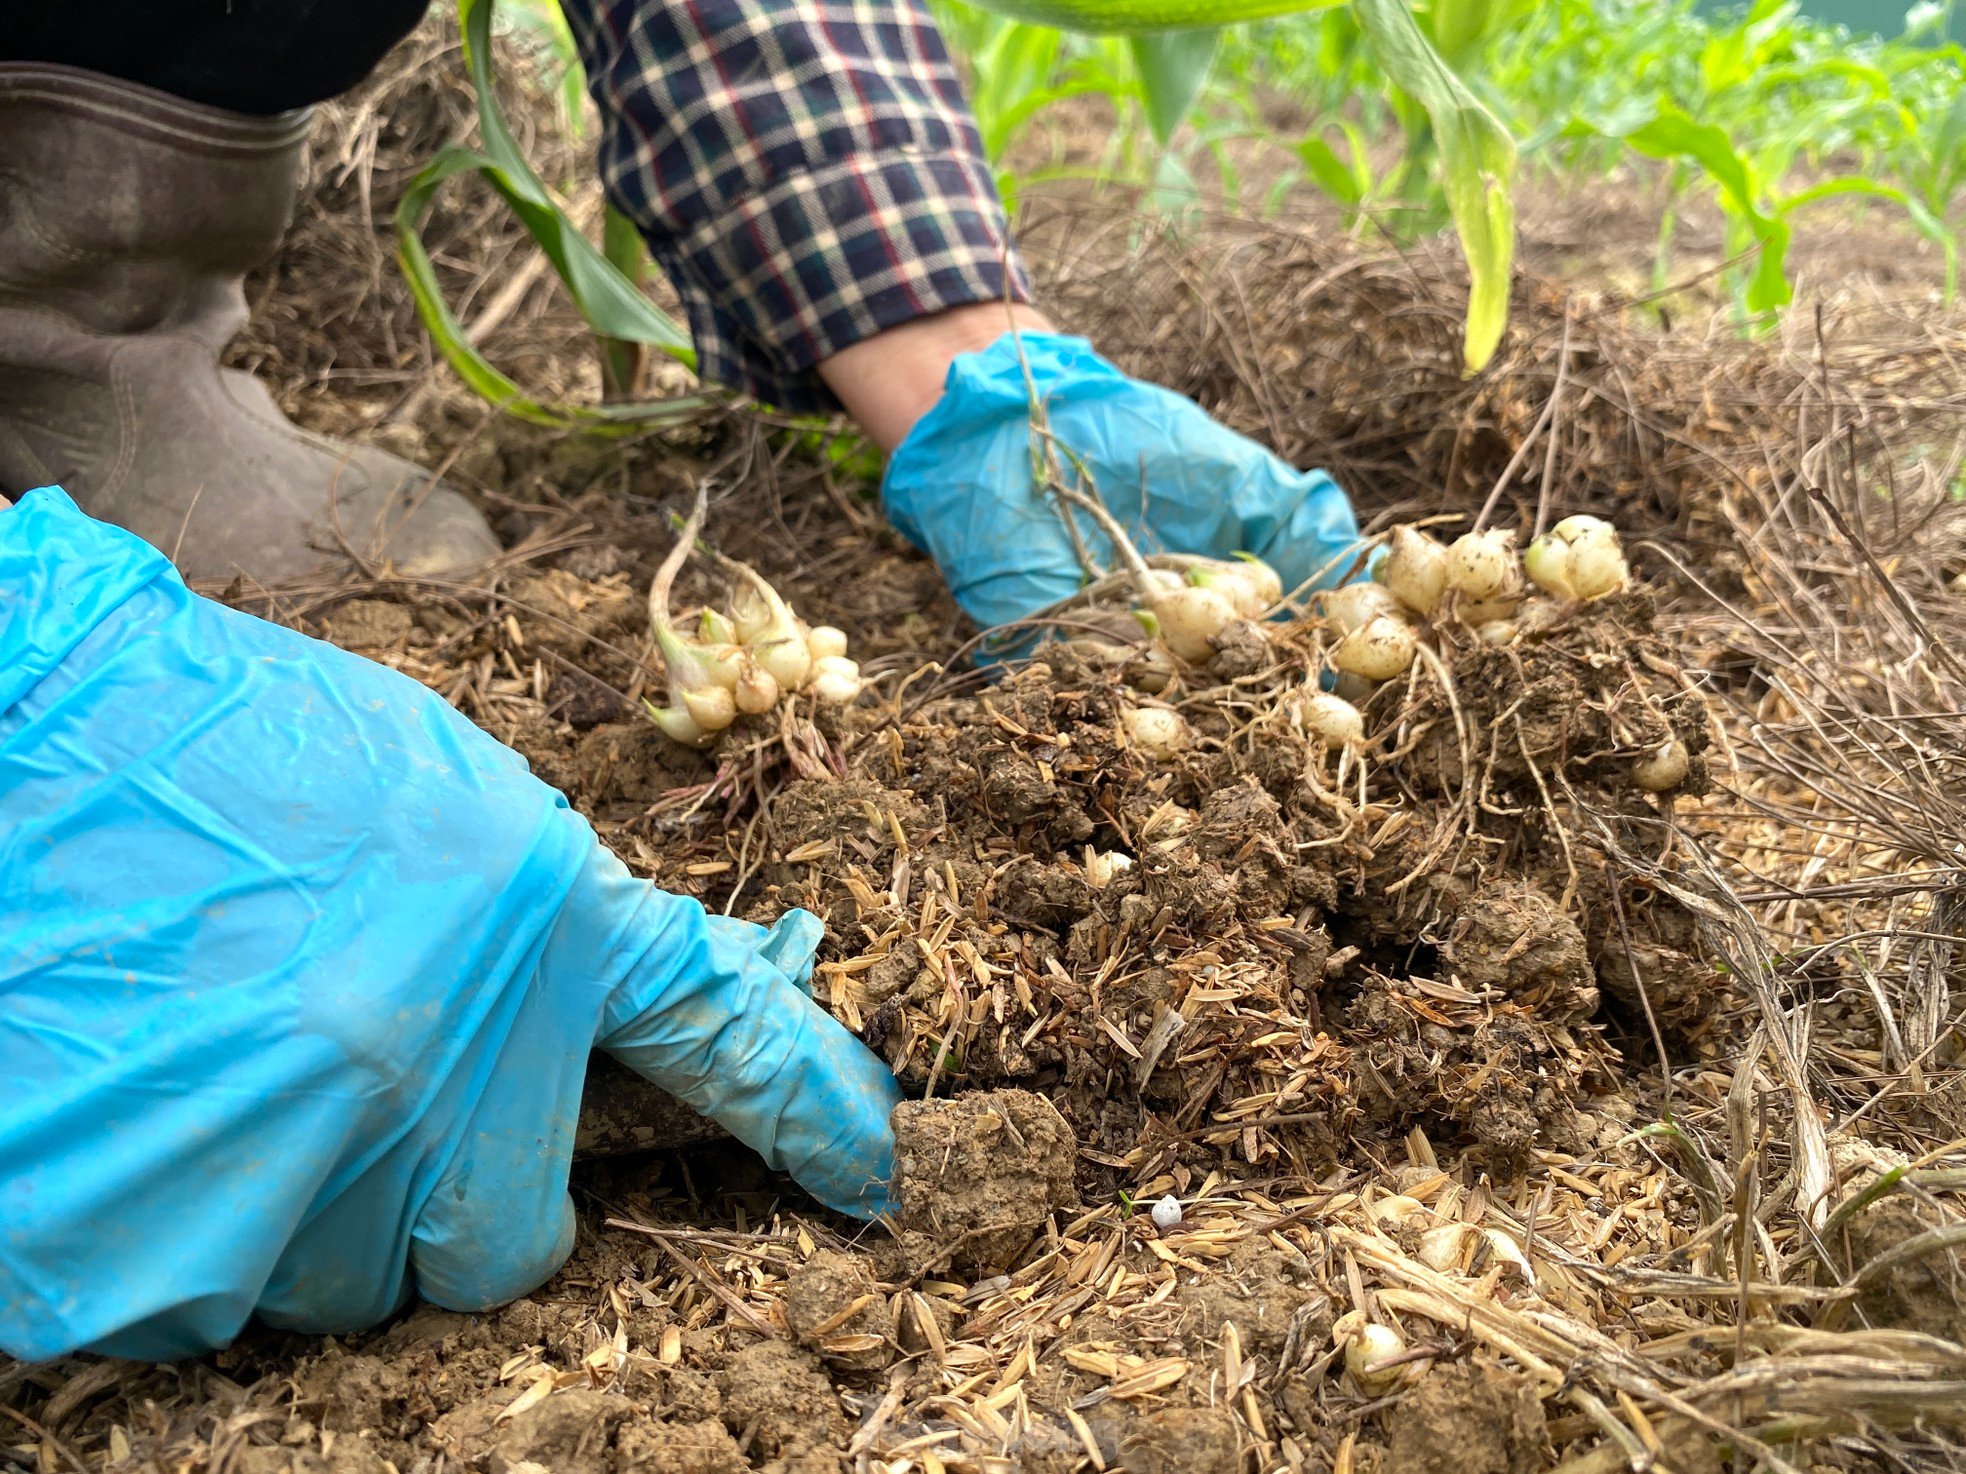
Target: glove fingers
[709, 1010]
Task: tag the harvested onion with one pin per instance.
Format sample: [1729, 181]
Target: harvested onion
[1368, 1346]
[835, 678]
[757, 689]
[1251, 587]
[1358, 604]
[1190, 618]
[1579, 558]
[822, 640]
[711, 707]
[1378, 650]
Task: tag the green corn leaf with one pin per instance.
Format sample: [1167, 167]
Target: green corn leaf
[1173, 68]
[1672, 133]
[1143, 17]
[612, 304]
[1348, 183]
[1477, 165]
[449, 336]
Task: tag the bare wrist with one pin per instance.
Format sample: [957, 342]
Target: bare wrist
[889, 381]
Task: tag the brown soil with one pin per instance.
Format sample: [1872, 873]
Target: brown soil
[1183, 1440]
[979, 1177]
[1468, 1418]
[1926, 1292]
[834, 1307]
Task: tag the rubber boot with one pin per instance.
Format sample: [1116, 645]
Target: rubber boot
[128, 221]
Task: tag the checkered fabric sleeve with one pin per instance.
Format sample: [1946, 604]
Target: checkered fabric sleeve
[807, 172]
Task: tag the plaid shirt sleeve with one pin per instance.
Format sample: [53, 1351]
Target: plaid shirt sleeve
[807, 173]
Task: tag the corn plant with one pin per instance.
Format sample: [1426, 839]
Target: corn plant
[609, 298]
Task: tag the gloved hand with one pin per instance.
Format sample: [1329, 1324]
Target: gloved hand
[959, 486]
[299, 972]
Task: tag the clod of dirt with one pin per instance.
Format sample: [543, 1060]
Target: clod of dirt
[347, 1456]
[834, 1307]
[678, 1448]
[354, 1394]
[1468, 1418]
[1926, 1293]
[981, 1174]
[778, 1395]
[1183, 1440]
[630, 764]
[367, 625]
[569, 615]
[568, 1433]
[1512, 938]
[1262, 1292]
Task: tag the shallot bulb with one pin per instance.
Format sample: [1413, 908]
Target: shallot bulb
[1358, 604]
[1159, 733]
[822, 641]
[835, 678]
[1415, 569]
[1332, 720]
[1378, 650]
[1482, 565]
[1579, 558]
[1663, 768]
[1368, 1346]
[1250, 584]
[1190, 618]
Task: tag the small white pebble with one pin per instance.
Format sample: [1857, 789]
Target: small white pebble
[1167, 1213]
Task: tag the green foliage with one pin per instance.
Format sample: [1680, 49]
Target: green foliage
[612, 303]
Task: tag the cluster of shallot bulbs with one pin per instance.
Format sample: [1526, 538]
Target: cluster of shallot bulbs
[741, 663]
[1477, 582]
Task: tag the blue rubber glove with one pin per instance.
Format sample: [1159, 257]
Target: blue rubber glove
[959, 487]
[299, 972]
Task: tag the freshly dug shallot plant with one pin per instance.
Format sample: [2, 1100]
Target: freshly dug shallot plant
[701, 703]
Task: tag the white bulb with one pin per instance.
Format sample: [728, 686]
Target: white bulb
[1378, 650]
[1357, 604]
[1482, 564]
[1416, 569]
[1158, 733]
[1333, 720]
[1167, 1213]
[824, 640]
